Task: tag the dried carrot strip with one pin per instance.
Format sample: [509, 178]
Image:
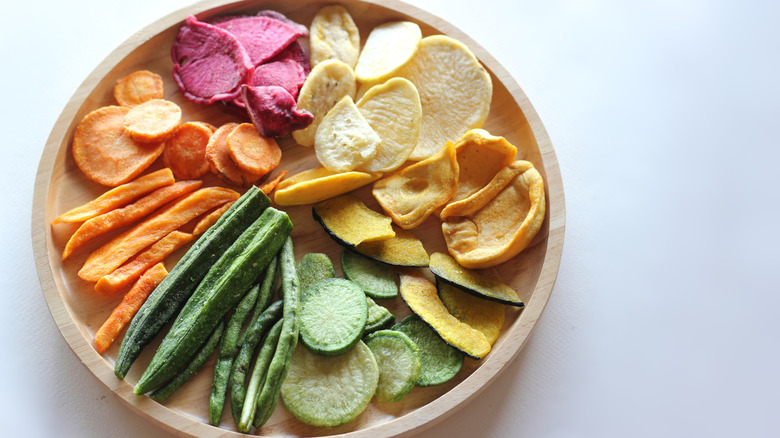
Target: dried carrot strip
[110, 256]
[185, 151]
[251, 151]
[210, 219]
[126, 274]
[118, 197]
[106, 153]
[269, 187]
[219, 158]
[132, 301]
[138, 87]
[152, 121]
[127, 215]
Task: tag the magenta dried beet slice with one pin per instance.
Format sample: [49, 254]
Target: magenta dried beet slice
[303, 30]
[273, 110]
[294, 52]
[209, 63]
[262, 37]
[287, 74]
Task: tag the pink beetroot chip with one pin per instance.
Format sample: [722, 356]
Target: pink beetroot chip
[263, 37]
[210, 64]
[273, 110]
[287, 74]
[294, 52]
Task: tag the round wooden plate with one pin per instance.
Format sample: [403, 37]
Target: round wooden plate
[79, 312]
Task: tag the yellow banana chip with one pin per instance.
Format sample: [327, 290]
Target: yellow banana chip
[327, 83]
[334, 35]
[344, 140]
[455, 91]
[387, 48]
[394, 111]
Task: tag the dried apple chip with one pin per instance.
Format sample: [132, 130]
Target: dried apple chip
[319, 184]
[344, 140]
[388, 47]
[410, 195]
[350, 222]
[480, 157]
[394, 111]
[483, 315]
[334, 35]
[497, 222]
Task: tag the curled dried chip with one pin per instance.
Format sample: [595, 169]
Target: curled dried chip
[185, 151]
[344, 140]
[138, 87]
[106, 152]
[262, 36]
[348, 221]
[423, 299]
[328, 82]
[388, 47]
[447, 269]
[394, 111]
[443, 63]
[319, 184]
[483, 315]
[497, 222]
[210, 64]
[402, 250]
[480, 157]
[252, 152]
[273, 110]
[410, 195]
[334, 35]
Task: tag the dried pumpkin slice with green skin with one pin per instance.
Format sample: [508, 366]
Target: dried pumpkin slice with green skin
[497, 222]
[423, 299]
[348, 221]
[402, 250]
[318, 184]
[439, 361]
[480, 157]
[412, 194]
[484, 315]
[447, 269]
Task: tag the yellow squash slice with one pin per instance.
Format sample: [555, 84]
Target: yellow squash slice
[388, 47]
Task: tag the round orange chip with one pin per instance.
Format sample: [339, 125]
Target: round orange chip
[251, 151]
[104, 150]
[185, 151]
[220, 161]
[138, 87]
[152, 121]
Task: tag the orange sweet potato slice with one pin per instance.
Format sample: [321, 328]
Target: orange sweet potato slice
[106, 152]
[118, 197]
[124, 312]
[126, 274]
[115, 219]
[210, 219]
[110, 256]
[185, 151]
[153, 121]
[251, 151]
[220, 162]
[138, 87]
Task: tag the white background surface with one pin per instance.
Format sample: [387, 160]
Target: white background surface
[664, 116]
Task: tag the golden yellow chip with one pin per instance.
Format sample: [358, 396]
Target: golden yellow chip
[318, 184]
[479, 314]
[327, 83]
[334, 35]
[388, 47]
[348, 221]
[480, 157]
[404, 249]
[344, 140]
[455, 91]
[394, 111]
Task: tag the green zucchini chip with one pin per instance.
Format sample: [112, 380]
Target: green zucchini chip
[447, 269]
[377, 279]
[378, 317]
[398, 359]
[484, 315]
[423, 299]
[348, 221]
[333, 316]
[313, 267]
[439, 361]
[402, 250]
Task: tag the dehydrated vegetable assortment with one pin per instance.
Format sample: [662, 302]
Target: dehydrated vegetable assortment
[402, 114]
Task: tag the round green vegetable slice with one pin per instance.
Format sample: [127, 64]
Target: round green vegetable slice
[313, 267]
[399, 364]
[378, 317]
[333, 316]
[330, 391]
[378, 280]
[439, 361]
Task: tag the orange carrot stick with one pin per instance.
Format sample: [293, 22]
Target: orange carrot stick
[269, 187]
[118, 196]
[126, 274]
[110, 256]
[127, 215]
[210, 219]
[130, 304]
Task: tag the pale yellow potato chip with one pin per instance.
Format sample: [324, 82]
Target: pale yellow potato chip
[455, 91]
[394, 111]
[334, 35]
[388, 47]
[327, 83]
[344, 139]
